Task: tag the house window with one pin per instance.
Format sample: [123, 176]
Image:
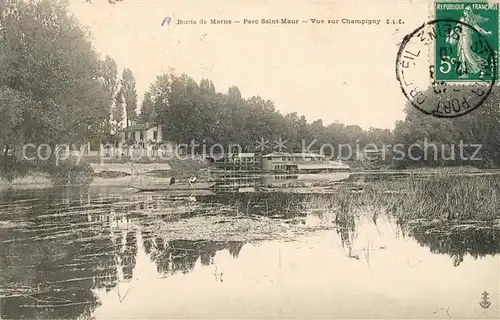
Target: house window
[155, 135]
[141, 135]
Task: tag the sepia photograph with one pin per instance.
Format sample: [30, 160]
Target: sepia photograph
[217, 159]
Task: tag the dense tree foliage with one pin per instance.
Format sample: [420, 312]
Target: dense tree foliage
[54, 88]
[108, 75]
[47, 62]
[129, 96]
[478, 130]
[196, 112]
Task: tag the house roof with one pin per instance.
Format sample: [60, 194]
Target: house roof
[287, 154]
[138, 127]
[277, 154]
[245, 155]
[312, 166]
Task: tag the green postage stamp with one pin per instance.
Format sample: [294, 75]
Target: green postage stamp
[448, 66]
[470, 50]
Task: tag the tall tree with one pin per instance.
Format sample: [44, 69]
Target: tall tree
[147, 112]
[159, 90]
[118, 112]
[11, 105]
[108, 75]
[209, 112]
[129, 95]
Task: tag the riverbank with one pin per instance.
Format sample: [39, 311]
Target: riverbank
[458, 169]
[82, 174]
[31, 181]
[183, 169]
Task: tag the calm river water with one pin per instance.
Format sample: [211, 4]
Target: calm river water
[116, 254]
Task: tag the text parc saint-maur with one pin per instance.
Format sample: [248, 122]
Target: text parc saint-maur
[290, 21]
[219, 21]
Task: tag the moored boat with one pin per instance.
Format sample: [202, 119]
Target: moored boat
[338, 165]
[174, 187]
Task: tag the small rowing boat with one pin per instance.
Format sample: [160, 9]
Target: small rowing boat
[174, 187]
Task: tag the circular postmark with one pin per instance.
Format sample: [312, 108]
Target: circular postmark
[446, 68]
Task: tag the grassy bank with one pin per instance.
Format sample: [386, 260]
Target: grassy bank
[443, 197]
[27, 175]
[445, 170]
[424, 170]
[35, 180]
[51, 172]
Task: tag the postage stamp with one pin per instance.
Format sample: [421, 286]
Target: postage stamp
[448, 66]
[466, 57]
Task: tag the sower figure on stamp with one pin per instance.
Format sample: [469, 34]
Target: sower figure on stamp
[470, 62]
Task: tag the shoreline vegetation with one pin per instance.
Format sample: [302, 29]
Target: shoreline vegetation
[45, 176]
[441, 194]
[24, 175]
[95, 101]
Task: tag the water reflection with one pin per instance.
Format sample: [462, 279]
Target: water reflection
[173, 256]
[458, 241]
[76, 253]
[277, 181]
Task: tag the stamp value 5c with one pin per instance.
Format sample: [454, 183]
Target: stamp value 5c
[464, 55]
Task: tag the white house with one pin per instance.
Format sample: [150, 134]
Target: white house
[141, 133]
[143, 139]
[137, 141]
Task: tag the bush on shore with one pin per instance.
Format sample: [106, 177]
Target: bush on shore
[67, 172]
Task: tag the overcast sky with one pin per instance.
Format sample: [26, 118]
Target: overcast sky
[334, 72]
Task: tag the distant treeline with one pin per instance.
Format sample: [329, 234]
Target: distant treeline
[191, 111]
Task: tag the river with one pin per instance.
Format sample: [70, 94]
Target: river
[111, 253]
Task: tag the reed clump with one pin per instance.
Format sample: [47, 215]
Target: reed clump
[448, 197]
[440, 196]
